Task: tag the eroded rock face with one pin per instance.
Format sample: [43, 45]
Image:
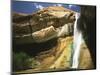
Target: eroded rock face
[41, 29]
[43, 25]
[55, 16]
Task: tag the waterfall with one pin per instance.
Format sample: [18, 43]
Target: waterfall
[76, 44]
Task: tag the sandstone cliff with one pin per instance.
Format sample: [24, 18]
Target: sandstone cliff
[44, 25]
[26, 26]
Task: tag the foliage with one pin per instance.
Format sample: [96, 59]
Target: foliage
[21, 61]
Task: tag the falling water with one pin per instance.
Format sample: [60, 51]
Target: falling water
[76, 45]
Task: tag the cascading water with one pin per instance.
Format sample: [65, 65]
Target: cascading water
[76, 44]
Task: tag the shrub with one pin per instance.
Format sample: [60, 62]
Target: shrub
[21, 61]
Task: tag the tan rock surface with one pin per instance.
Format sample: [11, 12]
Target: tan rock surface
[59, 58]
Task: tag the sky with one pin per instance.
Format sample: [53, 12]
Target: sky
[30, 7]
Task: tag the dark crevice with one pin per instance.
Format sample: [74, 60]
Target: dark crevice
[34, 48]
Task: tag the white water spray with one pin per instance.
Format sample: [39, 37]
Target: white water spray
[76, 44]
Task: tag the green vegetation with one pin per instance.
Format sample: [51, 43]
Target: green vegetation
[22, 61]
